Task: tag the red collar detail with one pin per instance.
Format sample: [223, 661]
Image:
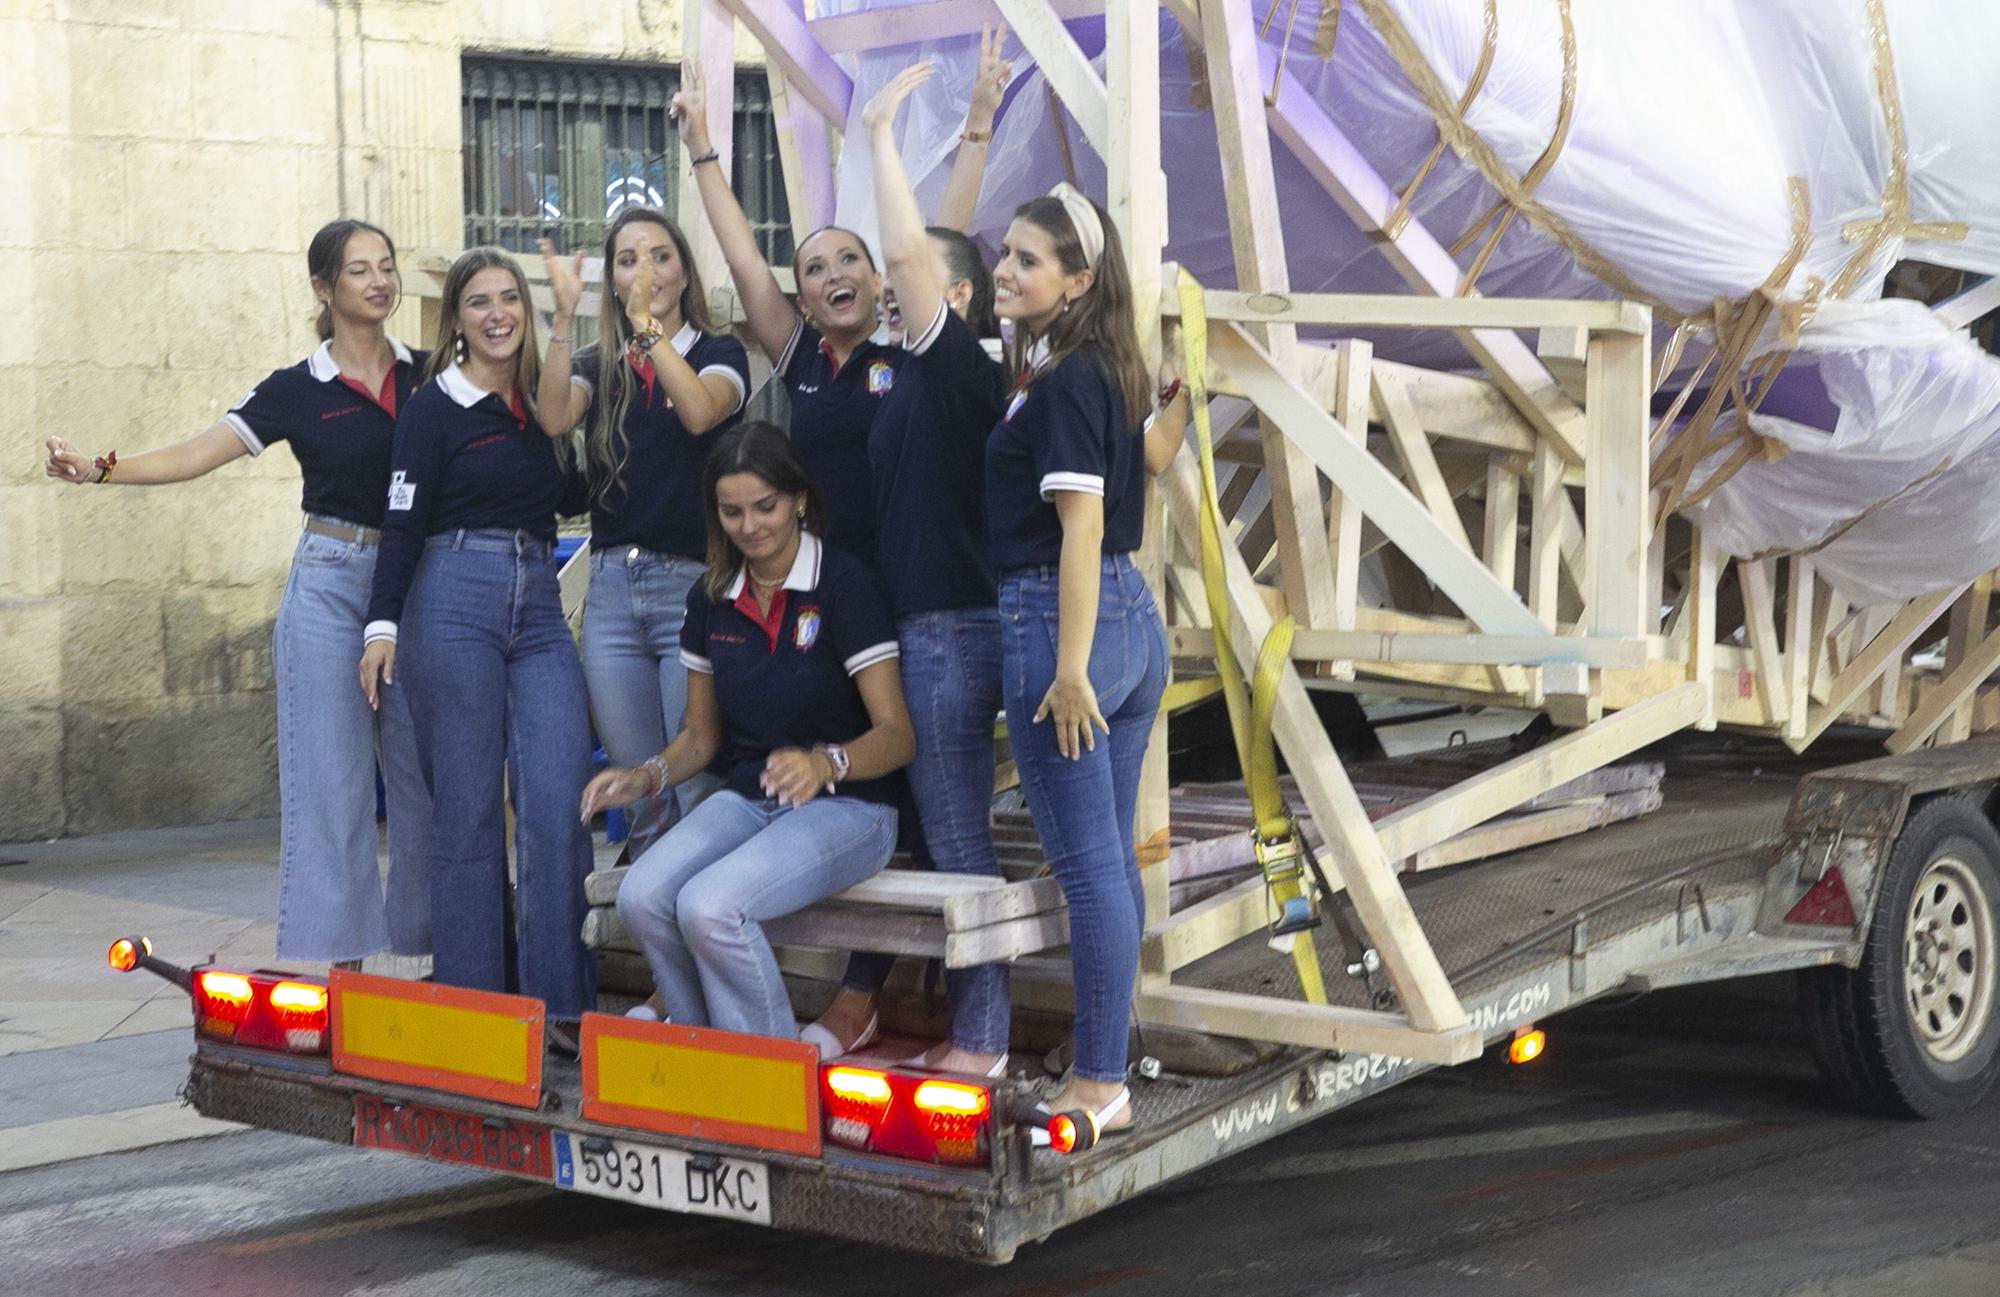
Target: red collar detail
[770, 623]
[643, 367]
[517, 408]
[386, 398]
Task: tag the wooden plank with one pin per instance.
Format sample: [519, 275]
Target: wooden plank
[1753, 576]
[892, 26]
[999, 943]
[788, 42]
[1501, 542]
[1616, 490]
[1447, 561]
[805, 157]
[1886, 648]
[1944, 702]
[1974, 303]
[1564, 349]
[1076, 82]
[1417, 646]
[1353, 399]
[1515, 832]
[1205, 927]
[1353, 854]
[977, 907]
[1413, 452]
[1545, 515]
[708, 40]
[1309, 1026]
[1799, 620]
[1511, 783]
[1970, 617]
[1402, 311]
[1704, 569]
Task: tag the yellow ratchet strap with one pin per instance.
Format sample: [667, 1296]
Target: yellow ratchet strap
[1280, 850]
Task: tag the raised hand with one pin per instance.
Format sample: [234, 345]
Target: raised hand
[690, 110]
[880, 111]
[639, 301]
[565, 282]
[989, 85]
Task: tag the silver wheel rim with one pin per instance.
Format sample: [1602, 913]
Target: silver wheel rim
[1949, 959]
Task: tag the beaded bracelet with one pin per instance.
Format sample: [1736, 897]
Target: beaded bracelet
[104, 464]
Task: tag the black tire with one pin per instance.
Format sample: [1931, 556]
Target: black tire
[1920, 1043]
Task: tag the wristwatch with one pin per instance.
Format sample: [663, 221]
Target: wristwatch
[836, 756]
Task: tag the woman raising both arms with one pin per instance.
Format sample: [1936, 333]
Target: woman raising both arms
[338, 409]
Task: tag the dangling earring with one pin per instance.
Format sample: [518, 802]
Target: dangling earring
[801, 515]
[459, 351]
[1066, 304]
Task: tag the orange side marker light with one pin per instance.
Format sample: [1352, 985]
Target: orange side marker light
[1528, 1045]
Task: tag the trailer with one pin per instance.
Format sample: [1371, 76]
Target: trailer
[1522, 531]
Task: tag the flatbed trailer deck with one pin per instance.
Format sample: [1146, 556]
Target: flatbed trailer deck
[1681, 896]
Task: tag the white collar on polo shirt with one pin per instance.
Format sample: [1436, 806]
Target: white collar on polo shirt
[687, 336]
[460, 388]
[321, 363]
[1038, 354]
[803, 576]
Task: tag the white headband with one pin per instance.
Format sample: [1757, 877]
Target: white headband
[1083, 216]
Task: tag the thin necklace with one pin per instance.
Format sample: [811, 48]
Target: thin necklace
[762, 583]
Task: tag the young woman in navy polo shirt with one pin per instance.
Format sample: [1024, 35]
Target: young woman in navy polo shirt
[466, 609]
[652, 393]
[928, 451]
[337, 408]
[792, 678]
[1084, 650]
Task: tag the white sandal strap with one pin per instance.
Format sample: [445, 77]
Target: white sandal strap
[1100, 1119]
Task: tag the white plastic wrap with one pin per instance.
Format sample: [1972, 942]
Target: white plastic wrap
[1689, 121]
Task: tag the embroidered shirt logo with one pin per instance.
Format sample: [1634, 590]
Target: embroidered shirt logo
[805, 633]
[402, 493]
[881, 378]
[342, 412]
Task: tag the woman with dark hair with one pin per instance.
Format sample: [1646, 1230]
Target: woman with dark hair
[651, 393]
[927, 450]
[1084, 651]
[337, 408]
[792, 678]
[465, 601]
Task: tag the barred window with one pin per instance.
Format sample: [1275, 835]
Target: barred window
[563, 146]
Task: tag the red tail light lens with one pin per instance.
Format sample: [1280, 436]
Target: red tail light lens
[926, 1119]
[261, 1011]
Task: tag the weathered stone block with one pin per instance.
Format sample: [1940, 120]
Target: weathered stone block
[113, 647]
[76, 312]
[264, 88]
[17, 221]
[30, 653]
[179, 761]
[17, 303]
[30, 546]
[249, 308]
[241, 531]
[120, 538]
[186, 197]
[21, 435]
[129, 81]
[31, 804]
[218, 641]
[78, 193]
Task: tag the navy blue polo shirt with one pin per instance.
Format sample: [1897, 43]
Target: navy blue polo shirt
[928, 455]
[788, 682]
[1064, 431]
[340, 432]
[832, 413]
[658, 504]
[463, 458]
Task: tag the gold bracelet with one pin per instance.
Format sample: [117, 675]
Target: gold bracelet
[976, 137]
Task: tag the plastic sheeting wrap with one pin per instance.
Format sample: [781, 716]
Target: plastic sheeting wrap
[1689, 123]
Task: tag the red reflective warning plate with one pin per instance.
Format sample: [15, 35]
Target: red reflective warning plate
[490, 1143]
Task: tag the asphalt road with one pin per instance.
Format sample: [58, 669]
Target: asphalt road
[1676, 1145]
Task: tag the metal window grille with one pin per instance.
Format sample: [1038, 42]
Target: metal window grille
[562, 147]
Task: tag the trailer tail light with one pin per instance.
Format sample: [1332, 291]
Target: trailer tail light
[1825, 904]
[1063, 1133]
[259, 1011]
[126, 952]
[926, 1119]
[1527, 1046]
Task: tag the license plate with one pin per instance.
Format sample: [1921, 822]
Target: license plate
[490, 1143]
[706, 1184]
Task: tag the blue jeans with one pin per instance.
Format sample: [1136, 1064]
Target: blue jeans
[1083, 808]
[951, 680]
[493, 675]
[696, 902]
[331, 904]
[632, 664]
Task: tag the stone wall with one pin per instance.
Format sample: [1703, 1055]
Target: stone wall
[162, 165]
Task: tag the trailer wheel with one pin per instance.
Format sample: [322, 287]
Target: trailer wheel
[1914, 1030]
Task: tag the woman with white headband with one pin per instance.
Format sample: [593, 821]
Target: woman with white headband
[1084, 653]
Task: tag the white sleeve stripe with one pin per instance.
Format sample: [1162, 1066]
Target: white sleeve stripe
[243, 434]
[382, 630]
[589, 388]
[735, 380]
[922, 343]
[1081, 483]
[868, 657]
[784, 360]
[696, 662]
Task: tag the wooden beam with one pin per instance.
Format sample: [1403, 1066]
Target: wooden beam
[1420, 467]
[1501, 543]
[1308, 1026]
[1351, 851]
[1886, 647]
[1402, 311]
[805, 156]
[1971, 305]
[1469, 649]
[1970, 617]
[1546, 508]
[1513, 782]
[1205, 927]
[1704, 571]
[708, 40]
[1445, 559]
[1076, 82]
[1616, 492]
[1956, 688]
[787, 42]
[1799, 620]
[1761, 629]
[893, 26]
[1353, 398]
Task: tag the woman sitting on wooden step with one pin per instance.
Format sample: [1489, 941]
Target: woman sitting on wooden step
[792, 673]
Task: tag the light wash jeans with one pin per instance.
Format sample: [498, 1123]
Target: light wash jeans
[1083, 808]
[951, 680]
[632, 664]
[493, 675]
[331, 904]
[697, 901]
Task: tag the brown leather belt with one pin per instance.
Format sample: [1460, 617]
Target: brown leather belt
[352, 532]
